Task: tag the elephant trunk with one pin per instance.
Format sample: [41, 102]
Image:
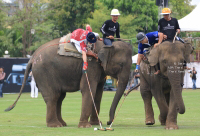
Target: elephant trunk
[120, 91]
[175, 81]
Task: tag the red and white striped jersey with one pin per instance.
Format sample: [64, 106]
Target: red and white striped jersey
[78, 36]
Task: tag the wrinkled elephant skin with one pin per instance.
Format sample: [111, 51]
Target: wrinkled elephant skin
[55, 75]
[166, 87]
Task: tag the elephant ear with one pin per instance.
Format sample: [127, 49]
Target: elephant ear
[187, 51]
[153, 56]
[104, 55]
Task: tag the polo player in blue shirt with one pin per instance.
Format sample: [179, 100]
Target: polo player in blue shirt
[146, 41]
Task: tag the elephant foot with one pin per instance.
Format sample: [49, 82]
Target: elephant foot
[54, 124]
[171, 126]
[162, 121]
[95, 122]
[84, 125]
[63, 123]
[150, 122]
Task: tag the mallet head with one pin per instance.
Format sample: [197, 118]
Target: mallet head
[102, 129]
[111, 129]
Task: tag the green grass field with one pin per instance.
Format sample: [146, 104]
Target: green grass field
[28, 118]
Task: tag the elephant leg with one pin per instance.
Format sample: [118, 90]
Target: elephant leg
[171, 122]
[86, 110]
[51, 103]
[59, 105]
[147, 97]
[93, 118]
[167, 96]
[162, 105]
[158, 93]
[87, 102]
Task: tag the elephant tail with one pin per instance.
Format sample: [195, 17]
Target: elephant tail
[28, 69]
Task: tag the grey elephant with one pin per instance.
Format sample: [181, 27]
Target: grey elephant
[166, 87]
[55, 75]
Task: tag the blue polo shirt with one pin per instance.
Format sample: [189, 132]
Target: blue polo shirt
[152, 39]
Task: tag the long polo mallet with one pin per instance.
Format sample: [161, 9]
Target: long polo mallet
[115, 116]
[94, 105]
[125, 94]
[175, 37]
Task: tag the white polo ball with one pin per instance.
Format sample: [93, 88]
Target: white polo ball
[95, 129]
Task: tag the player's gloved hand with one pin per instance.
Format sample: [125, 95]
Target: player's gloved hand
[85, 66]
[137, 68]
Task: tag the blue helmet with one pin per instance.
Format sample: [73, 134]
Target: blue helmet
[91, 37]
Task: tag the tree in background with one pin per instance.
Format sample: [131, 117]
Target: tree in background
[99, 16]
[180, 8]
[70, 14]
[25, 16]
[144, 11]
[10, 40]
[102, 13]
[2, 31]
[2, 16]
[56, 18]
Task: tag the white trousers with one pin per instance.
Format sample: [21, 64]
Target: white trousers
[77, 44]
[34, 89]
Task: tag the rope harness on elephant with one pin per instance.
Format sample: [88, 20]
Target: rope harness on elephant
[37, 54]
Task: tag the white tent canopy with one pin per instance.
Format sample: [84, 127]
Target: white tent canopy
[191, 21]
[134, 58]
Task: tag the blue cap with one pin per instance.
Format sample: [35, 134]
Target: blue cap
[91, 37]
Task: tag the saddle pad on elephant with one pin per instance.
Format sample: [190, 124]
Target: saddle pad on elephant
[66, 48]
[67, 45]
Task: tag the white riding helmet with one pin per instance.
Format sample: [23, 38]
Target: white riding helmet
[115, 12]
